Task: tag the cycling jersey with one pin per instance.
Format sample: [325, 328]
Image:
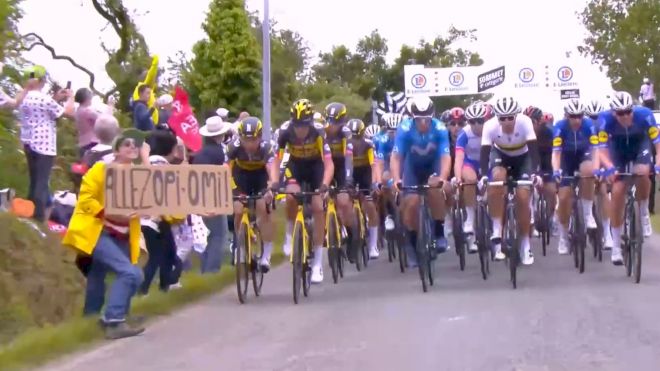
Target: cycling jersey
[363, 152]
[575, 145]
[514, 144]
[383, 145]
[544, 134]
[421, 152]
[312, 147]
[470, 144]
[249, 174]
[632, 144]
[339, 143]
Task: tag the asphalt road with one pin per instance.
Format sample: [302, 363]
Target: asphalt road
[379, 319]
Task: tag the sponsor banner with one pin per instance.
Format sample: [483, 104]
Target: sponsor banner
[569, 93]
[421, 80]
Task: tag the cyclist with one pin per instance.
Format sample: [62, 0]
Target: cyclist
[310, 163]
[422, 146]
[363, 164]
[509, 148]
[466, 165]
[574, 141]
[384, 143]
[544, 136]
[549, 118]
[372, 131]
[593, 110]
[338, 138]
[626, 133]
[251, 160]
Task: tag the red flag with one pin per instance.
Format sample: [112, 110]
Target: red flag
[183, 121]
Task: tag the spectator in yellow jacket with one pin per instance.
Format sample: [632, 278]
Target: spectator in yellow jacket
[150, 79]
[111, 241]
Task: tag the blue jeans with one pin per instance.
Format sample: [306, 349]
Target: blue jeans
[39, 170]
[111, 255]
[215, 245]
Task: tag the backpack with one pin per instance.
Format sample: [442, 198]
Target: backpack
[91, 157]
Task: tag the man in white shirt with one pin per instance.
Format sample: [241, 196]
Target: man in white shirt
[647, 94]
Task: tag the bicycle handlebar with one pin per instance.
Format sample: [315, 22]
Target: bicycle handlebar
[500, 183]
[419, 188]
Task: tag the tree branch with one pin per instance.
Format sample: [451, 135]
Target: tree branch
[40, 42]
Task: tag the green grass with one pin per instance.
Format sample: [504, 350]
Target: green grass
[38, 345]
[655, 222]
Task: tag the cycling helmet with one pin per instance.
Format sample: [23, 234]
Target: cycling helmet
[302, 110]
[621, 101]
[489, 111]
[476, 110]
[533, 113]
[250, 127]
[371, 131]
[336, 113]
[548, 118]
[445, 116]
[594, 108]
[506, 106]
[393, 120]
[574, 107]
[356, 126]
[457, 114]
[420, 106]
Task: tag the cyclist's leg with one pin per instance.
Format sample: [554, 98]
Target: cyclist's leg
[568, 167]
[643, 185]
[522, 169]
[409, 208]
[363, 179]
[619, 189]
[258, 183]
[388, 199]
[469, 175]
[605, 210]
[291, 208]
[439, 202]
[496, 195]
[587, 191]
[318, 216]
[344, 203]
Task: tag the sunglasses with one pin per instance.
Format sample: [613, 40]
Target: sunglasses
[456, 123]
[575, 116]
[506, 118]
[476, 121]
[624, 112]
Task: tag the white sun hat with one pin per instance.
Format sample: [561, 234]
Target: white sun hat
[214, 127]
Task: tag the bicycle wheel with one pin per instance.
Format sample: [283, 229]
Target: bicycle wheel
[297, 260]
[480, 236]
[307, 269]
[628, 234]
[242, 268]
[257, 273]
[541, 218]
[580, 239]
[459, 236]
[363, 242]
[511, 241]
[400, 245]
[333, 248]
[358, 241]
[422, 250]
[597, 239]
[636, 244]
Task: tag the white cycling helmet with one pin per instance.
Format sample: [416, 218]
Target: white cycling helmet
[420, 106]
[393, 120]
[476, 110]
[594, 108]
[371, 131]
[574, 107]
[506, 106]
[621, 101]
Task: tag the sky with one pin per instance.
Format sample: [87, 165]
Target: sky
[508, 31]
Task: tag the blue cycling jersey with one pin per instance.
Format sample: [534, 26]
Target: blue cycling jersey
[632, 139]
[384, 145]
[421, 149]
[566, 139]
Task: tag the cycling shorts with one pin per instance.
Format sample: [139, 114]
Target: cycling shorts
[620, 158]
[518, 167]
[339, 177]
[472, 164]
[417, 175]
[306, 172]
[362, 177]
[570, 163]
[249, 182]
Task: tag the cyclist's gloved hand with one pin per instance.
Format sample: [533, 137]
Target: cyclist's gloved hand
[268, 197]
[390, 183]
[482, 182]
[275, 187]
[537, 181]
[323, 188]
[454, 182]
[556, 175]
[657, 169]
[376, 186]
[598, 173]
[609, 171]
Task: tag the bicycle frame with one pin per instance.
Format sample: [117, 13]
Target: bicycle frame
[331, 214]
[247, 219]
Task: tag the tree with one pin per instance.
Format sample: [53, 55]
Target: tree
[623, 35]
[322, 93]
[226, 69]
[10, 14]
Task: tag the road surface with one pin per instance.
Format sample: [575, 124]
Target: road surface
[379, 319]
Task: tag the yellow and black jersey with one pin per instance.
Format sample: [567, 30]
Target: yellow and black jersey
[339, 143]
[312, 147]
[240, 159]
[363, 152]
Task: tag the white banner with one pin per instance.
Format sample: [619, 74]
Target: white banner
[421, 80]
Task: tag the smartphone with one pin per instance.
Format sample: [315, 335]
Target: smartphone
[31, 75]
[68, 85]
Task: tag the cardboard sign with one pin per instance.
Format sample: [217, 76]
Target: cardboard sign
[168, 190]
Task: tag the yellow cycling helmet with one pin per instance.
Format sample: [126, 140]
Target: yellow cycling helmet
[336, 113]
[302, 110]
[250, 127]
[356, 126]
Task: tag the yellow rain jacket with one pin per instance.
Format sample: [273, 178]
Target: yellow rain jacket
[150, 80]
[85, 226]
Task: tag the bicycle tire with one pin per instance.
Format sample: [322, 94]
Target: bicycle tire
[297, 260]
[357, 244]
[402, 258]
[581, 240]
[573, 231]
[242, 268]
[627, 236]
[597, 235]
[513, 248]
[363, 241]
[401, 240]
[307, 269]
[459, 236]
[637, 243]
[333, 248]
[257, 273]
[422, 250]
[480, 236]
[542, 220]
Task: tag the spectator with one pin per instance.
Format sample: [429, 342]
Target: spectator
[223, 113]
[106, 129]
[647, 94]
[142, 114]
[39, 113]
[157, 231]
[108, 243]
[164, 104]
[212, 153]
[85, 119]
[149, 78]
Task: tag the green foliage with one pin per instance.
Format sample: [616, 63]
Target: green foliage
[623, 35]
[13, 172]
[226, 67]
[10, 14]
[322, 93]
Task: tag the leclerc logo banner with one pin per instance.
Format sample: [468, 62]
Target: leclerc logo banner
[490, 79]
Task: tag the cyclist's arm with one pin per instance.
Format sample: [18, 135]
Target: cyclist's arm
[557, 146]
[603, 142]
[654, 135]
[461, 142]
[593, 142]
[400, 146]
[395, 167]
[533, 149]
[328, 164]
[444, 154]
[272, 167]
[348, 159]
